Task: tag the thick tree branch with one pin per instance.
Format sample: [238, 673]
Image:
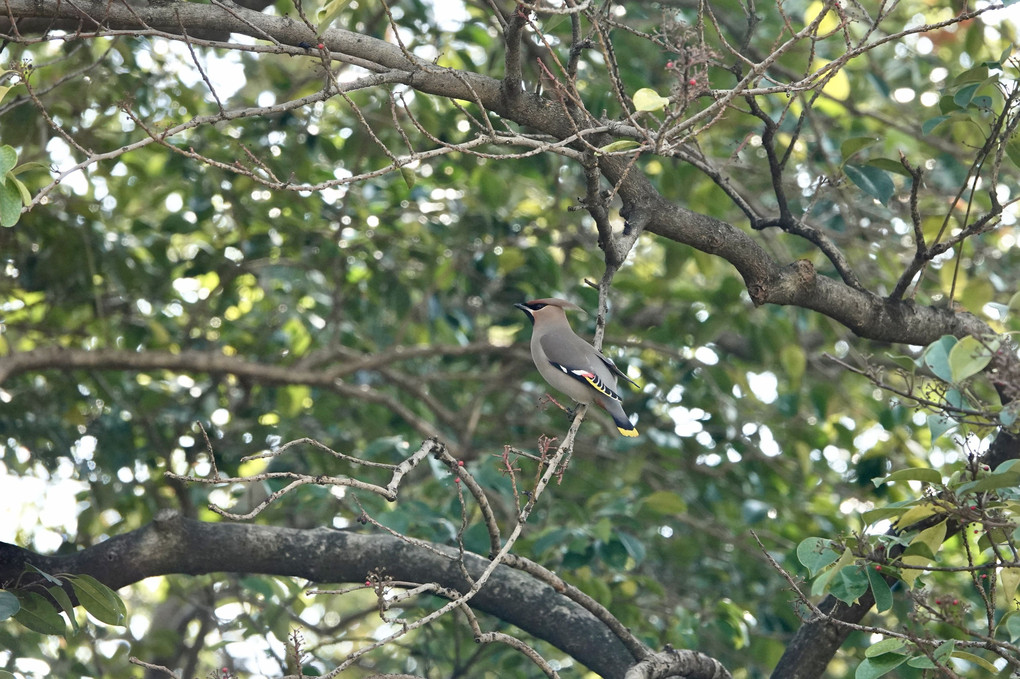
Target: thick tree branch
[173, 544]
[798, 284]
[812, 647]
[674, 663]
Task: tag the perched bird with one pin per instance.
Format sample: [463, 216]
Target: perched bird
[570, 364]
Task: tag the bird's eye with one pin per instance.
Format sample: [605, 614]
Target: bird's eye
[536, 307]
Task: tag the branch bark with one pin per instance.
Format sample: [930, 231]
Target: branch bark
[816, 642]
[174, 544]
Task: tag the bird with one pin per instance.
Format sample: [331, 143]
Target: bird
[572, 365]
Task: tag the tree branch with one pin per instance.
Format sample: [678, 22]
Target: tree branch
[173, 544]
[215, 363]
[767, 280]
[672, 663]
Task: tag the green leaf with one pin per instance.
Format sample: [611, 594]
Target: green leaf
[1009, 48]
[100, 601]
[8, 604]
[330, 11]
[936, 357]
[555, 538]
[407, 174]
[932, 539]
[933, 536]
[976, 74]
[816, 553]
[882, 647]
[635, 548]
[871, 180]
[1013, 152]
[258, 585]
[964, 95]
[968, 357]
[920, 549]
[26, 196]
[794, 362]
[849, 584]
[665, 502]
[940, 654]
[889, 165]
[976, 660]
[647, 99]
[1010, 578]
[60, 596]
[982, 102]
[1006, 466]
[52, 579]
[939, 425]
[882, 513]
[30, 165]
[947, 105]
[855, 144]
[928, 126]
[924, 474]
[993, 481]
[38, 614]
[10, 204]
[8, 159]
[955, 398]
[621, 145]
[929, 541]
[1013, 627]
[880, 588]
[872, 668]
[916, 513]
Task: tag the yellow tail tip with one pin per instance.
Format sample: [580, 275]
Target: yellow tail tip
[628, 432]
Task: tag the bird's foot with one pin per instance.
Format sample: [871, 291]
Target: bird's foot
[549, 399]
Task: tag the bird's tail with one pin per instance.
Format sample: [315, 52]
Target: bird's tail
[620, 418]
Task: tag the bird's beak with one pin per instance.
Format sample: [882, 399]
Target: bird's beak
[527, 312]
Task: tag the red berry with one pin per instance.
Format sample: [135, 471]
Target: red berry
[956, 602]
[456, 480]
[321, 46]
[460, 463]
[669, 64]
[692, 82]
[878, 567]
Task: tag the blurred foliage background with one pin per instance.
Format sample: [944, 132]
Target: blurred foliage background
[745, 424]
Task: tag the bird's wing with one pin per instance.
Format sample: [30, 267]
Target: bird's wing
[616, 371]
[577, 359]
